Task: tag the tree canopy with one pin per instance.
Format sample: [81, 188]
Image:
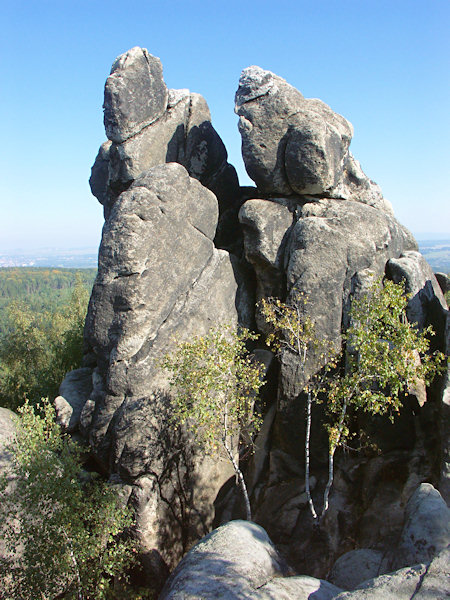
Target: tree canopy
[215, 382]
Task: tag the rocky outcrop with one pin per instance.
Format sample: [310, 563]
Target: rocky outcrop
[426, 530]
[73, 391]
[135, 94]
[427, 305]
[170, 201]
[149, 125]
[318, 226]
[321, 249]
[293, 145]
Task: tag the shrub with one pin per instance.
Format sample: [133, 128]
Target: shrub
[60, 525]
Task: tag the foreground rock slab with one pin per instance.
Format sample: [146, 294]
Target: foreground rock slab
[238, 560]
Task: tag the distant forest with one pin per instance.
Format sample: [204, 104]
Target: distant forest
[41, 289]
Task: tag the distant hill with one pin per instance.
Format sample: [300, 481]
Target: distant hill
[437, 253]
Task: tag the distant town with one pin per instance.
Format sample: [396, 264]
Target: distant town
[80, 258]
[437, 253]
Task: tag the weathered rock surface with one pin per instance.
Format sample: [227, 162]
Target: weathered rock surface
[150, 125]
[160, 279]
[290, 144]
[238, 560]
[427, 527]
[400, 585]
[315, 224]
[444, 282]
[354, 567]
[436, 583]
[135, 94]
[322, 250]
[74, 391]
[301, 587]
[293, 145]
[427, 305]
[419, 582]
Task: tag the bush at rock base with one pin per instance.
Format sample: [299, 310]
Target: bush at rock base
[62, 527]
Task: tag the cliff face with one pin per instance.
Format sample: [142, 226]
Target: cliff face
[174, 212]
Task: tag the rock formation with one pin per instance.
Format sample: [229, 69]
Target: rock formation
[316, 224]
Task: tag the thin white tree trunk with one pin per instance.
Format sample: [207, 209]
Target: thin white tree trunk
[235, 464]
[331, 460]
[329, 483]
[307, 441]
[240, 478]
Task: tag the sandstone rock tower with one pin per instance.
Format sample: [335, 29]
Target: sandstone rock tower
[185, 248]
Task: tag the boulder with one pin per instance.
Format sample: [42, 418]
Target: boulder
[135, 94]
[238, 560]
[419, 582]
[296, 146]
[426, 530]
[301, 587]
[99, 179]
[401, 585]
[267, 227]
[150, 125]
[74, 391]
[356, 566]
[290, 144]
[436, 583]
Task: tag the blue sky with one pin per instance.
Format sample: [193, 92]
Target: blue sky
[383, 65]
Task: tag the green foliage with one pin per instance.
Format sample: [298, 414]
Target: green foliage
[215, 383]
[40, 348]
[41, 289]
[386, 356]
[60, 526]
